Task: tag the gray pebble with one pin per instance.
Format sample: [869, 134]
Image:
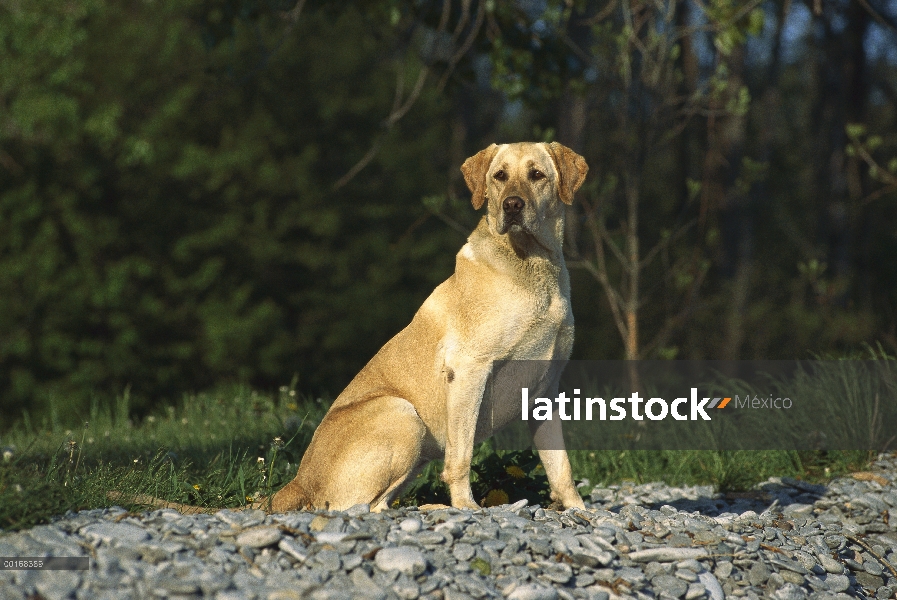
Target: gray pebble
[697, 544]
[533, 592]
[118, 533]
[830, 564]
[836, 583]
[462, 551]
[410, 525]
[259, 537]
[404, 559]
[669, 585]
[872, 567]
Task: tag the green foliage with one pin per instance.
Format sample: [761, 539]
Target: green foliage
[507, 475]
[221, 449]
[166, 218]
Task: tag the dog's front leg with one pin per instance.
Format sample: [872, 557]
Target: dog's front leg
[463, 399]
[549, 440]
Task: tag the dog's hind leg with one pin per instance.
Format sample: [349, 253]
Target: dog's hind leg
[362, 454]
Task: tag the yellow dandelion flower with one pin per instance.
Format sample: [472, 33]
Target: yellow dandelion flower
[196, 487]
[515, 472]
[495, 498]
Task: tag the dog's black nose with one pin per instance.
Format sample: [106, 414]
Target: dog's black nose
[512, 205]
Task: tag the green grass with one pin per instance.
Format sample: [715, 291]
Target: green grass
[223, 448]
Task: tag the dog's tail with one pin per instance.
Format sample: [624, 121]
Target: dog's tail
[290, 497]
[156, 503]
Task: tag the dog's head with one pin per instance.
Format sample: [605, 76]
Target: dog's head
[523, 184]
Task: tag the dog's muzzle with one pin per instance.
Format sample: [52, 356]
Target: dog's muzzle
[512, 206]
[512, 214]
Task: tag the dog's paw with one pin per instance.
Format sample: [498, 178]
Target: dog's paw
[466, 504]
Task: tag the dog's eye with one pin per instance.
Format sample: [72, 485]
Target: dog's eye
[536, 175]
[501, 175]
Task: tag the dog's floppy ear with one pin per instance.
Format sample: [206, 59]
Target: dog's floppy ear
[571, 167]
[474, 170]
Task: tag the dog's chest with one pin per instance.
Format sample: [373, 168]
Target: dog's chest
[532, 327]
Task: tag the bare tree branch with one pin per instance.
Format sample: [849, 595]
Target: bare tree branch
[673, 323]
[474, 31]
[399, 107]
[878, 16]
[652, 253]
[601, 15]
[365, 160]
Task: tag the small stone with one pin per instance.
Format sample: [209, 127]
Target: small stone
[667, 554]
[790, 591]
[533, 592]
[792, 577]
[869, 581]
[259, 537]
[789, 565]
[358, 510]
[405, 560]
[557, 572]
[294, 549]
[429, 538]
[836, 583]
[830, 564]
[57, 584]
[331, 537]
[872, 567]
[834, 540]
[284, 594]
[153, 554]
[695, 590]
[690, 564]
[758, 574]
[176, 585]
[669, 585]
[712, 585]
[366, 586]
[123, 534]
[410, 525]
[329, 560]
[453, 594]
[723, 569]
[405, 588]
[807, 561]
[462, 551]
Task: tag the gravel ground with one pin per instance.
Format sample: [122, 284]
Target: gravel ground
[785, 540]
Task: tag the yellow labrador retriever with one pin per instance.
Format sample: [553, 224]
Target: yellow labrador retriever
[421, 397]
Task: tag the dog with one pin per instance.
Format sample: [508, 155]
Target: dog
[421, 397]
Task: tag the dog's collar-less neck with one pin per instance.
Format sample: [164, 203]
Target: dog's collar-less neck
[521, 243]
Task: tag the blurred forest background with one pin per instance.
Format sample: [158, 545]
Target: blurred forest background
[196, 192]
